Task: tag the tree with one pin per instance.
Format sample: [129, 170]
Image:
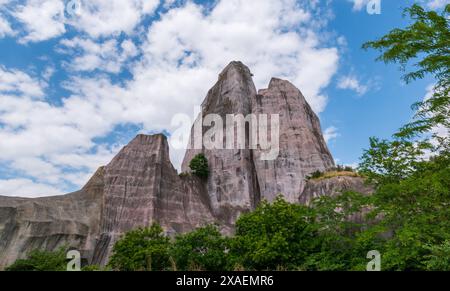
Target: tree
[39, 260]
[143, 249]
[199, 166]
[426, 41]
[413, 188]
[202, 249]
[274, 236]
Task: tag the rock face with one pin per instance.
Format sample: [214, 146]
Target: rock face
[332, 187]
[51, 222]
[232, 183]
[140, 186]
[302, 148]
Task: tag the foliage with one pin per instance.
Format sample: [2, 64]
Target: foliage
[416, 212]
[39, 260]
[411, 173]
[439, 259]
[199, 166]
[273, 236]
[426, 42]
[315, 175]
[202, 249]
[142, 249]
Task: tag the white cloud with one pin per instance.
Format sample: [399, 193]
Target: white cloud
[42, 19]
[351, 82]
[330, 133]
[5, 28]
[437, 4]
[46, 19]
[26, 188]
[15, 81]
[107, 17]
[441, 130]
[91, 55]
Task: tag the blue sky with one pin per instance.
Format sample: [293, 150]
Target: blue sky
[76, 84]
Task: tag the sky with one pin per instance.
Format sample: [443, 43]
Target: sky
[79, 79]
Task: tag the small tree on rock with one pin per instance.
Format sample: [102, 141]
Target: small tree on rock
[199, 166]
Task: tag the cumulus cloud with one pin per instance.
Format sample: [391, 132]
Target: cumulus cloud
[330, 133]
[351, 82]
[15, 81]
[106, 17]
[46, 19]
[42, 19]
[91, 55]
[5, 28]
[26, 188]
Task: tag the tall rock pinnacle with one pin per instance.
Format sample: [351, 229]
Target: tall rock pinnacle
[302, 148]
[232, 184]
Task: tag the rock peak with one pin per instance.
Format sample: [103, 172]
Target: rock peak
[233, 67]
[142, 139]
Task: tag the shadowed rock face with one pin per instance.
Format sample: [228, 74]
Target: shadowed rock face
[48, 223]
[302, 147]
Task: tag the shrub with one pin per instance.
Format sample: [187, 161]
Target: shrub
[39, 260]
[274, 236]
[315, 175]
[199, 166]
[143, 249]
[203, 249]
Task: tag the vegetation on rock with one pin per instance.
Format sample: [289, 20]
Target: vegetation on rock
[199, 166]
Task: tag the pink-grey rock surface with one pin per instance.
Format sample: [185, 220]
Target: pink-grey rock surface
[302, 148]
[332, 187]
[232, 183]
[141, 187]
[51, 222]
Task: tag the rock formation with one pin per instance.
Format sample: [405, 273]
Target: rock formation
[51, 222]
[333, 186]
[232, 184]
[302, 148]
[140, 186]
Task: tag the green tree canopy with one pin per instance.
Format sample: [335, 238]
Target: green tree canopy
[39, 260]
[143, 249]
[199, 166]
[202, 249]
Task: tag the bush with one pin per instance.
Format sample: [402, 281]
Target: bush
[203, 249]
[199, 166]
[315, 175]
[144, 249]
[274, 236]
[39, 260]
